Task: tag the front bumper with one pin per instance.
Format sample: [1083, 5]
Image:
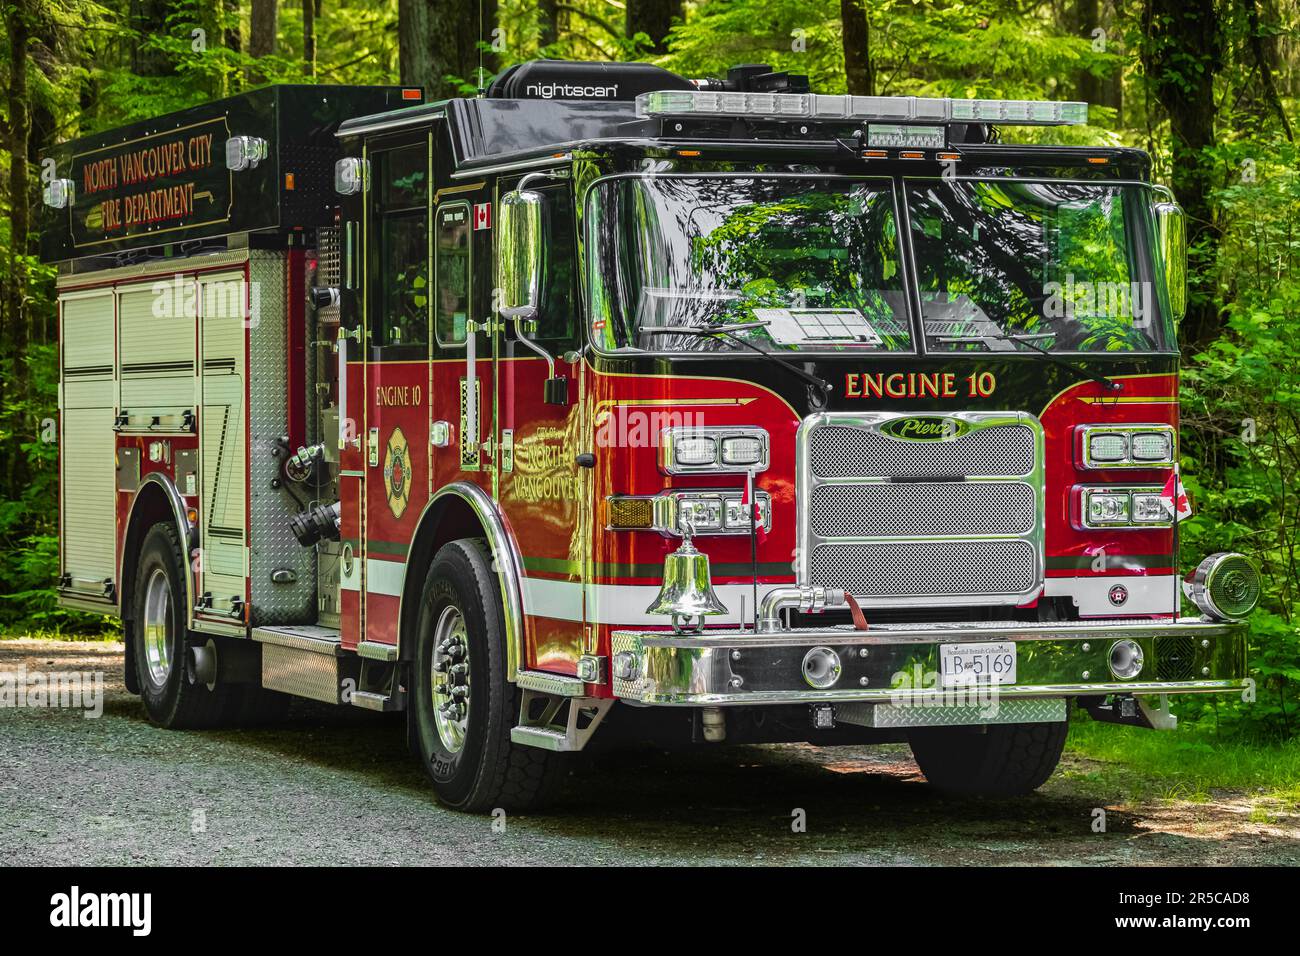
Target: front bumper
[899, 663]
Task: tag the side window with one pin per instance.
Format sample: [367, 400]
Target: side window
[400, 264]
[452, 232]
[557, 318]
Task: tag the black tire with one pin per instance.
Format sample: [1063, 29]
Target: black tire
[999, 760]
[482, 770]
[170, 698]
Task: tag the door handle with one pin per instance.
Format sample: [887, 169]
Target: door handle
[373, 446]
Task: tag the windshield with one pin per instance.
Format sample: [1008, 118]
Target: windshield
[784, 262]
[1004, 266]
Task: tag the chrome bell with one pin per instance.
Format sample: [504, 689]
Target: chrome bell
[686, 594]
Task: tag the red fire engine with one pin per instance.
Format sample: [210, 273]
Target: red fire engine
[684, 411]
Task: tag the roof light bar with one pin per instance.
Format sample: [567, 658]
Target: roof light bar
[898, 109]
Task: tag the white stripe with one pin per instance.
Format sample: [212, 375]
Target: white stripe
[1150, 594]
[385, 577]
[624, 604]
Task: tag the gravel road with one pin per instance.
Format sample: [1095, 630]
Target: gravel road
[332, 786]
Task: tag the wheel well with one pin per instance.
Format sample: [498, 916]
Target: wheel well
[150, 507]
[447, 519]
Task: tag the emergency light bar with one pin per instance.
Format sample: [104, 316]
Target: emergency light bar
[896, 109]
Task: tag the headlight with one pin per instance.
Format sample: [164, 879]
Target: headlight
[1225, 586]
[710, 512]
[685, 451]
[1119, 506]
[1125, 446]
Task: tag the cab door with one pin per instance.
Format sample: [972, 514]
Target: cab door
[398, 308]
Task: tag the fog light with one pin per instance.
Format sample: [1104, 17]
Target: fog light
[1225, 586]
[821, 668]
[1126, 659]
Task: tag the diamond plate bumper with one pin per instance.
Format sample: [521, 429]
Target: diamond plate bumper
[898, 664]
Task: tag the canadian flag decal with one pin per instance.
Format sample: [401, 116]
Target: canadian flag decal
[482, 215]
[1174, 498]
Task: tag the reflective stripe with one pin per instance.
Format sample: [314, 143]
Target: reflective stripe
[625, 604]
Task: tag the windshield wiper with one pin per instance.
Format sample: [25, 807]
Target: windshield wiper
[1025, 339]
[729, 333]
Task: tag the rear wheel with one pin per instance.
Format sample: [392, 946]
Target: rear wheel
[160, 636]
[997, 760]
[462, 706]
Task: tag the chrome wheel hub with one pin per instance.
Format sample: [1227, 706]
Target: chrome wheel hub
[157, 625]
[449, 676]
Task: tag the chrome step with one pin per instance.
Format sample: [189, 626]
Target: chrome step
[384, 703]
[552, 722]
[543, 738]
[302, 637]
[561, 685]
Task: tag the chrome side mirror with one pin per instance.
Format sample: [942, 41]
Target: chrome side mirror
[519, 254]
[1171, 238]
[519, 278]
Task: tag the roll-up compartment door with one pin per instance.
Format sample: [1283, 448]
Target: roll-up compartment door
[87, 397]
[156, 352]
[223, 439]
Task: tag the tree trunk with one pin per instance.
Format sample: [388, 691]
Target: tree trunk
[263, 26]
[15, 338]
[1181, 54]
[232, 38]
[1087, 19]
[549, 22]
[856, 33]
[654, 18]
[148, 19]
[1264, 62]
[435, 41]
[309, 37]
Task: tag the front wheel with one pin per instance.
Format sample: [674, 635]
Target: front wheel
[997, 760]
[462, 706]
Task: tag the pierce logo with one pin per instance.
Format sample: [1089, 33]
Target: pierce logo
[1118, 595]
[925, 428]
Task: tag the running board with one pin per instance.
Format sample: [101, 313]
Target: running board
[561, 724]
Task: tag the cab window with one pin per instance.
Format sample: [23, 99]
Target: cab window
[400, 321]
[452, 234]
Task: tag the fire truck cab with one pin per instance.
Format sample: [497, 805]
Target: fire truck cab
[613, 405]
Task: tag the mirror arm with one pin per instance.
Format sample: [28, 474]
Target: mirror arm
[524, 340]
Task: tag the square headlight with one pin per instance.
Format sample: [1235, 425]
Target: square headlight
[686, 450]
[1104, 507]
[742, 450]
[1149, 508]
[702, 514]
[695, 450]
[1108, 446]
[1153, 447]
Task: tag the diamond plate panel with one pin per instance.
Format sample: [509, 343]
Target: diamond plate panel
[273, 546]
[301, 673]
[996, 711]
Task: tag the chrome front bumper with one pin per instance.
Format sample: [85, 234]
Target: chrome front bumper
[899, 663]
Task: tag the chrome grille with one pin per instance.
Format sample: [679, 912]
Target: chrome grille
[837, 451]
[930, 569]
[922, 509]
[944, 521]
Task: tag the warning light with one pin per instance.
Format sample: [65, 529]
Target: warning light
[412, 94]
[288, 182]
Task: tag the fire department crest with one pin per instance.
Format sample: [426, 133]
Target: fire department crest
[397, 472]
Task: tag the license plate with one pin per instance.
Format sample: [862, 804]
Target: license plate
[964, 664]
